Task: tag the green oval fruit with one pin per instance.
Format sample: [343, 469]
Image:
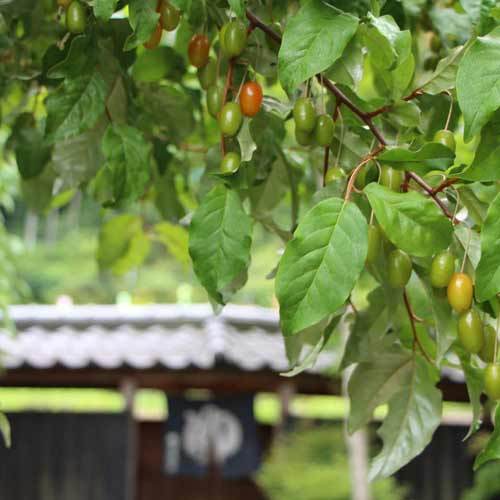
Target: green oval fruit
[214, 99]
[76, 18]
[391, 178]
[374, 243]
[207, 75]
[169, 16]
[470, 331]
[446, 138]
[487, 353]
[233, 38]
[230, 163]
[460, 292]
[324, 130]
[304, 115]
[334, 174]
[442, 269]
[230, 119]
[304, 138]
[399, 267]
[492, 381]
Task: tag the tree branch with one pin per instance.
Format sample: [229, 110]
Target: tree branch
[387, 107]
[428, 189]
[411, 316]
[446, 183]
[341, 97]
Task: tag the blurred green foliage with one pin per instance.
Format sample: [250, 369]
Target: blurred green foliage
[311, 463]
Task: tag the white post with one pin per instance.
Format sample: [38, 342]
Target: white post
[358, 455]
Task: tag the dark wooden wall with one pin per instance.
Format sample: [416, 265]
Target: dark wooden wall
[444, 470]
[154, 485]
[65, 457]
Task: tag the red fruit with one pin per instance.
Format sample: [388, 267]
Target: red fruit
[198, 49]
[155, 38]
[251, 98]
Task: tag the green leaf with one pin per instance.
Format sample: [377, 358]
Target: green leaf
[176, 239]
[488, 269]
[484, 168]
[267, 195]
[492, 449]
[410, 220]
[104, 9]
[387, 44]
[80, 55]
[143, 20]
[445, 325]
[128, 163]
[414, 414]
[432, 156]
[445, 74]
[168, 109]
[321, 264]
[32, 154]
[77, 160]
[76, 106]
[220, 237]
[238, 7]
[5, 430]
[479, 12]
[122, 244]
[478, 82]
[374, 382]
[308, 46]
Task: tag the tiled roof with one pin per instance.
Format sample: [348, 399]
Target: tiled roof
[170, 336]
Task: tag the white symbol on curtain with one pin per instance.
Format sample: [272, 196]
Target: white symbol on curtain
[211, 434]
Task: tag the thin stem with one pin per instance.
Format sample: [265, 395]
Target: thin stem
[450, 112]
[495, 351]
[466, 251]
[435, 198]
[355, 172]
[325, 164]
[411, 316]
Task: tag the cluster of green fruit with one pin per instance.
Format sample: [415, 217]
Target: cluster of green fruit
[475, 337]
[169, 20]
[310, 128]
[233, 41]
[76, 15]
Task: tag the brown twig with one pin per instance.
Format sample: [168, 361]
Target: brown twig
[428, 189]
[387, 107]
[325, 164]
[352, 179]
[446, 183]
[341, 97]
[411, 316]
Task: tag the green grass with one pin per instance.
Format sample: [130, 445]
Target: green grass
[152, 404]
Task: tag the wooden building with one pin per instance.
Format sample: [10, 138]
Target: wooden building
[171, 348]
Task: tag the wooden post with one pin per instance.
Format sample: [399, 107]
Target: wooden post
[358, 454]
[128, 388]
[286, 392]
